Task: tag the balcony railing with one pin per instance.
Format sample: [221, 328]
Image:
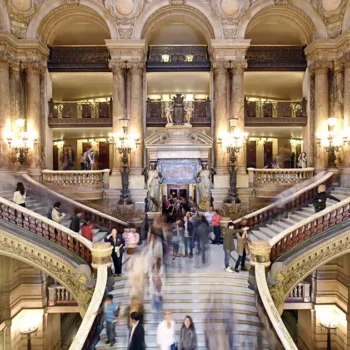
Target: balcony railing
[170, 58]
[156, 113]
[280, 178]
[76, 114]
[265, 113]
[301, 293]
[59, 295]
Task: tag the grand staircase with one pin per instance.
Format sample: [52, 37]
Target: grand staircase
[268, 231]
[218, 298]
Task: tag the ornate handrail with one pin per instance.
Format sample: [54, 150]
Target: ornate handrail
[60, 295]
[101, 219]
[309, 227]
[271, 310]
[46, 228]
[68, 178]
[291, 202]
[278, 177]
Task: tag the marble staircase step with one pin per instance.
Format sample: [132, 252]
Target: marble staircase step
[260, 235]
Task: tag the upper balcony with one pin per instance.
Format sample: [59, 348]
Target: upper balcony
[77, 114]
[178, 58]
[273, 113]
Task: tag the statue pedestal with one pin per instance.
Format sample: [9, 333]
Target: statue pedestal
[185, 126]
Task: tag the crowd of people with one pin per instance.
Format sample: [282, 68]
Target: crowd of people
[181, 232]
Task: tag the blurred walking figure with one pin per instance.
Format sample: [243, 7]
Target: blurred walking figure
[166, 333]
[19, 197]
[203, 239]
[156, 288]
[177, 234]
[188, 336]
[188, 233]
[87, 229]
[216, 226]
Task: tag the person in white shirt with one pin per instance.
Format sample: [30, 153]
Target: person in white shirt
[19, 197]
[166, 333]
[56, 214]
[209, 215]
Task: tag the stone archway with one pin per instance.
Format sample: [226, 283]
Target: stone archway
[308, 18]
[4, 18]
[49, 13]
[192, 13]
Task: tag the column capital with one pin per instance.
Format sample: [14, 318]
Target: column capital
[136, 67]
[320, 66]
[346, 59]
[5, 57]
[221, 67]
[117, 67]
[239, 66]
[16, 66]
[34, 66]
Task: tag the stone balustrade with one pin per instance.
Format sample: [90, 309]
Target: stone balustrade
[76, 179]
[301, 293]
[60, 295]
[280, 178]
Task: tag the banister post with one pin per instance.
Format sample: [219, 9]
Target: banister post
[105, 179]
[251, 172]
[101, 255]
[260, 252]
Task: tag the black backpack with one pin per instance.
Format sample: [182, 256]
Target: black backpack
[49, 214]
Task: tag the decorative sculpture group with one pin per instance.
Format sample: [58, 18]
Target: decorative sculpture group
[205, 184]
[179, 112]
[153, 180]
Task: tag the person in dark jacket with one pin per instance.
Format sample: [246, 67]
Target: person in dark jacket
[117, 241]
[229, 244]
[188, 336]
[75, 220]
[137, 333]
[321, 197]
[203, 238]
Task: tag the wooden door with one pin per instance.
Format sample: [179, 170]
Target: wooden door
[268, 156]
[55, 155]
[103, 155]
[251, 154]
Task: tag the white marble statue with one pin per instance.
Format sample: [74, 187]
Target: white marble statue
[154, 180]
[188, 113]
[204, 184]
[169, 113]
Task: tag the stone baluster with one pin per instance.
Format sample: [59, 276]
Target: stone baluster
[4, 104]
[119, 107]
[136, 70]
[33, 110]
[237, 107]
[220, 112]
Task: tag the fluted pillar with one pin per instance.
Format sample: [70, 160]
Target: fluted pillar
[119, 107]
[4, 105]
[16, 103]
[237, 107]
[220, 113]
[33, 109]
[321, 110]
[136, 115]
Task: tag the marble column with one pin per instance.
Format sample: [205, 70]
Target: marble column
[4, 106]
[136, 115]
[33, 109]
[309, 130]
[345, 176]
[321, 111]
[118, 69]
[220, 113]
[237, 107]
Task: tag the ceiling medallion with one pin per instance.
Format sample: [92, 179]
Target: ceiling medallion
[125, 7]
[230, 7]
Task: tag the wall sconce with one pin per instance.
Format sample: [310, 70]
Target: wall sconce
[331, 142]
[59, 144]
[27, 329]
[19, 141]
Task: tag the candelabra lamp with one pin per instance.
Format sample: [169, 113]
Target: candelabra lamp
[331, 142]
[20, 142]
[125, 143]
[27, 332]
[233, 143]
